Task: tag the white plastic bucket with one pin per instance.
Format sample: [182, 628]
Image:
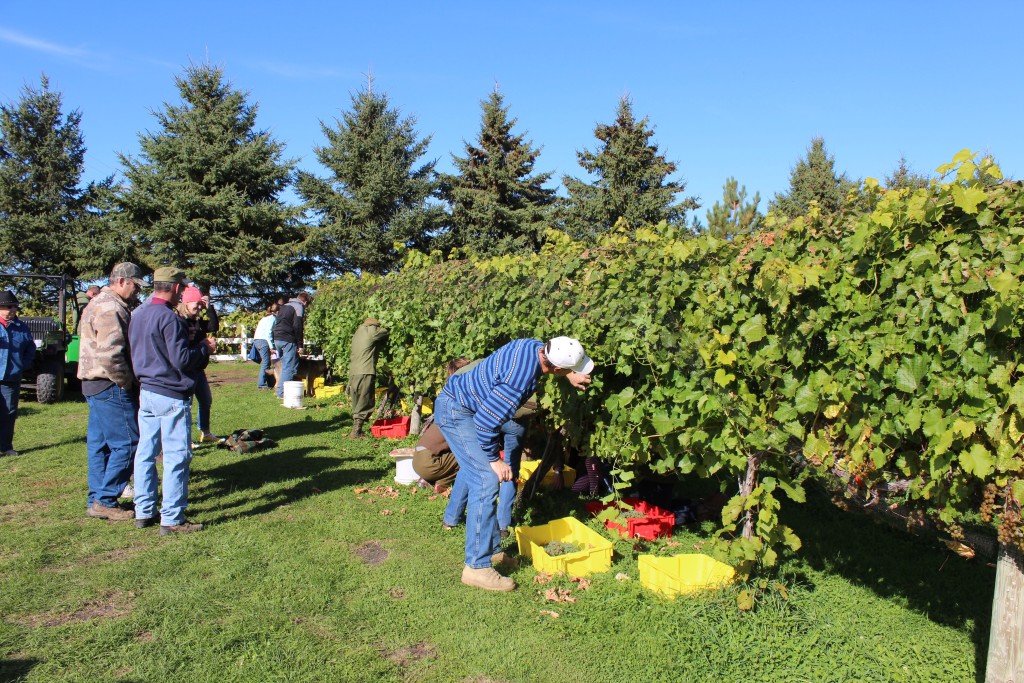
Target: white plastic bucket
[293, 392]
[404, 473]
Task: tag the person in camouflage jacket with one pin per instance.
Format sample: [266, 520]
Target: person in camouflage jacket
[110, 388]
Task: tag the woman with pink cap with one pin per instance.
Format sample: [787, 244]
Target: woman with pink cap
[192, 306]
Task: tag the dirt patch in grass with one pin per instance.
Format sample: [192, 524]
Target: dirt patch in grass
[145, 637]
[397, 593]
[114, 555]
[22, 512]
[404, 656]
[319, 630]
[371, 553]
[109, 605]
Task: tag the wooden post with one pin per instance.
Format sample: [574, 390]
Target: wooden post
[1006, 635]
[417, 412]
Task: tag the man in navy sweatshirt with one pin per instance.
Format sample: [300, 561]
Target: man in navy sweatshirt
[164, 364]
[470, 411]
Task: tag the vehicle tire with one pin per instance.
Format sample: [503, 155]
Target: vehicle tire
[50, 383]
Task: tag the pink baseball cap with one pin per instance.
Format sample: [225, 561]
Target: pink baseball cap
[191, 294]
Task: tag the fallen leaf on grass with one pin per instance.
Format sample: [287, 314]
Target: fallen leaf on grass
[447, 494]
[583, 583]
[385, 513]
[672, 544]
[402, 511]
[431, 497]
[553, 615]
[362, 489]
[622, 577]
[542, 578]
[558, 595]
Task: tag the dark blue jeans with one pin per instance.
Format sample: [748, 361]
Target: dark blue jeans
[263, 351]
[113, 436]
[288, 352]
[10, 393]
[205, 401]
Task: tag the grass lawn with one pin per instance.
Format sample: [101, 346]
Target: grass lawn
[299, 578]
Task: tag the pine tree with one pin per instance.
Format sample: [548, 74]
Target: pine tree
[631, 181]
[903, 177]
[734, 215]
[814, 178]
[47, 222]
[203, 195]
[376, 196]
[498, 207]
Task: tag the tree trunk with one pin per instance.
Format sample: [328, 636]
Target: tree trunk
[1006, 635]
[748, 485]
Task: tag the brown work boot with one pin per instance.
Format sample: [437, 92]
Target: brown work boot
[486, 578]
[185, 527]
[357, 430]
[116, 514]
[504, 560]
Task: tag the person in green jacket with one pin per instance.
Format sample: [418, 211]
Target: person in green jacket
[362, 371]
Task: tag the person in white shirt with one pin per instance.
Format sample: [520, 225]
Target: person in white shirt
[263, 342]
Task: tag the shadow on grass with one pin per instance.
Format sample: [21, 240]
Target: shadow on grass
[895, 564]
[16, 669]
[45, 447]
[316, 473]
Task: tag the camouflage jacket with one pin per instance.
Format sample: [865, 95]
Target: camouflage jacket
[104, 352]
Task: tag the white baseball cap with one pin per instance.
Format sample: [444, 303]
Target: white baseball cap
[567, 353]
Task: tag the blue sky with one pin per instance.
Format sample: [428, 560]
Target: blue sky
[733, 89]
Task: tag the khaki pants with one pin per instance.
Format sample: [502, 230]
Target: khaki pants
[360, 390]
[437, 469]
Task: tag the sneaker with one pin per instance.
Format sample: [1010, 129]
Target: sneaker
[145, 522]
[113, 514]
[210, 438]
[10, 452]
[446, 526]
[128, 492]
[185, 527]
[486, 578]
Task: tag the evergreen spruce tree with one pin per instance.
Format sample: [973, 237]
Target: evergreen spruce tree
[903, 177]
[631, 181]
[376, 195]
[498, 206]
[734, 215]
[814, 178]
[48, 224]
[203, 194]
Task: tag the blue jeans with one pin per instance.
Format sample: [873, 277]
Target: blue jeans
[10, 394]
[289, 355]
[263, 351]
[479, 480]
[163, 423]
[113, 436]
[513, 445]
[205, 400]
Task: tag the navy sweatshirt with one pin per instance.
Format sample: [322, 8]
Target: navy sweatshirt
[161, 356]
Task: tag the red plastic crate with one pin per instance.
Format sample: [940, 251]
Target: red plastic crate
[655, 523]
[392, 428]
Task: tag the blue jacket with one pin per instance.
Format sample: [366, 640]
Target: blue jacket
[162, 358]
[17, 350]
[496, 388]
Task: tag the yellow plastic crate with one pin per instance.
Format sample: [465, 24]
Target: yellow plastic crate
[677, 574]
[528, 467]
[597, 556]
[318, 382]
[327, 392]
[426, 408]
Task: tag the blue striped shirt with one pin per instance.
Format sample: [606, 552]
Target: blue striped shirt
[496, 388]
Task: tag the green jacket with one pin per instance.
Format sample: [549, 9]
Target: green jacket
[366, 343]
